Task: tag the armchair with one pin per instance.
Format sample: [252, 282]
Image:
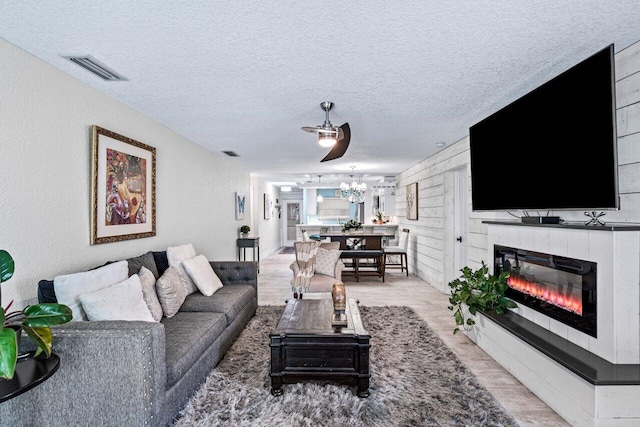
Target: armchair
[328, 269]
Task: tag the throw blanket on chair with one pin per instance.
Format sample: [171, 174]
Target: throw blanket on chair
[305, 258]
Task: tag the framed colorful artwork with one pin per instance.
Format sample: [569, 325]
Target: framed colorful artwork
[123, 188]
[241, 198]
[412, 201]
[268, 206]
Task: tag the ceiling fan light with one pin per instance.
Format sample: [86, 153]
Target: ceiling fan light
[326, 139]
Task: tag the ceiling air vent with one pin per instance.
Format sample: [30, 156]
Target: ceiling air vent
[91, 64]
[231, 153]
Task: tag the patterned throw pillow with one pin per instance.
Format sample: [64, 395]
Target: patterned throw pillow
[326, 261]
[171, 291]
[148, 282]
[175, 256]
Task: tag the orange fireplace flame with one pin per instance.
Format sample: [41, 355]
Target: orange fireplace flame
[567, 302]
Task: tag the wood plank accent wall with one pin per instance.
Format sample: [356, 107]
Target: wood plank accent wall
[427, 256]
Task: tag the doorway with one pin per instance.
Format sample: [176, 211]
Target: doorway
[290, 219]
[456, 224]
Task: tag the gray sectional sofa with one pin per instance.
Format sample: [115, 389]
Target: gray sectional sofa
[133, 373]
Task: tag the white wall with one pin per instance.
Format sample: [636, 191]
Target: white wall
[427, 255]
[45, 186]
[267, 229]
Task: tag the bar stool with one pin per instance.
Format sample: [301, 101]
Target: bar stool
[400, 251]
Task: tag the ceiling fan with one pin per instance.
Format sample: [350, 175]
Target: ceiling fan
[331, 136]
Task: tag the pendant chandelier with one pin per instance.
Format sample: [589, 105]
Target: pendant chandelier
[353, 193]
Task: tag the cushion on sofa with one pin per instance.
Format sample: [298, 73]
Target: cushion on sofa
[144, 260]
[229, 300]
[162, 263]
[177, 254]
[46, 292]
[69, 286]
[171, 291]
[122, 301]
[187, 336]
[202, 274]
[149, 294]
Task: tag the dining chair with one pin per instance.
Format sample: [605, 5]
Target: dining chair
[398, 251]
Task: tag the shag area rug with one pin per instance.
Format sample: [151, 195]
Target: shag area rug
[416, 380]
[287, 250]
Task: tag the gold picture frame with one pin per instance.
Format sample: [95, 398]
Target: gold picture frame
[123, 188]
[412, 201]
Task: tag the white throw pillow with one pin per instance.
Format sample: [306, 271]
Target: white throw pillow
[171, 291]
[122, 301]
[202, 274]
[69, 286]
[326, 261]
[175, 256]
[148, 281]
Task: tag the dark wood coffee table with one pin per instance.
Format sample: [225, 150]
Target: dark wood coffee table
[305, 347]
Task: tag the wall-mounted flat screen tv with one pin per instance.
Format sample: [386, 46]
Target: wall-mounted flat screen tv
[552, 149]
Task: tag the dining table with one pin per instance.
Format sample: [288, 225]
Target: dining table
[358, 240]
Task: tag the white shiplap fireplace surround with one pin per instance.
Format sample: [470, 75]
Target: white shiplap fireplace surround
[613, 398]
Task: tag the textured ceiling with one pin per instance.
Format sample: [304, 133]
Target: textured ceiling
[246, 75]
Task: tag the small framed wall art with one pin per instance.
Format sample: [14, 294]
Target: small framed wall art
[412, 201]
[268, 206]
[240, 204]
[123, 188]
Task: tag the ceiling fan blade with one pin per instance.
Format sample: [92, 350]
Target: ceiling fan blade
[319, 129]
[341, 146]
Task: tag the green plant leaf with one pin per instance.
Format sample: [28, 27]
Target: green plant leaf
[458, 317]
[8, 353]
[47, 314]
[478, 290]
[510, 304]
[7, 266]
[42, 336]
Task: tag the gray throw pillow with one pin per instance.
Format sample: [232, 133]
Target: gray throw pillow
[145, 260]
[171, 291]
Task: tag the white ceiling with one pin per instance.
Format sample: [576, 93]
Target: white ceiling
[246, 75]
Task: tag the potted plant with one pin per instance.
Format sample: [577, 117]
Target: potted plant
[34, 320]
[351, 225]
[479, 291]
[245, 229]
[379, 218]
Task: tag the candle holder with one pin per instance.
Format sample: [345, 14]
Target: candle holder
[339, 297]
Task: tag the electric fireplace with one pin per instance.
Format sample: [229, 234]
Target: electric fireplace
[562, 288]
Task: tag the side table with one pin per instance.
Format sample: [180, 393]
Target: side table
[29, 373]
[249, 242]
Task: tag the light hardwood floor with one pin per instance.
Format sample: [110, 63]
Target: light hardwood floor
[431, 305]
